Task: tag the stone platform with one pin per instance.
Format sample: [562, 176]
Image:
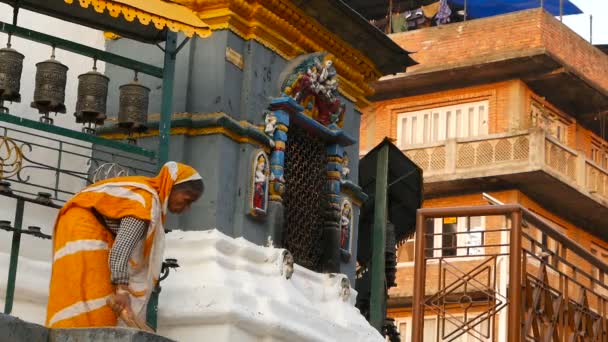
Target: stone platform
[13, 329]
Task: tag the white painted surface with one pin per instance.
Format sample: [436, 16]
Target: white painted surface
[227, 290]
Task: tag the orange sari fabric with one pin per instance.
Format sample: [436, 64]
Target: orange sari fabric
[80, 278]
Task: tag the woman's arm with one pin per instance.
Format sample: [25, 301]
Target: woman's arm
[131, 231]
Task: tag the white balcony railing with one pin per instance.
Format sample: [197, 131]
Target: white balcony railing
[510, 153]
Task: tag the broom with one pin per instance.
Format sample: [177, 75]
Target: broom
[128, 316]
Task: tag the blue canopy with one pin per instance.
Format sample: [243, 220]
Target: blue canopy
[488, 8]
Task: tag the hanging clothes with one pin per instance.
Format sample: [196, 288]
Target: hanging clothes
[430, 10]
[444, 13]
[414, 18]
[398, 23]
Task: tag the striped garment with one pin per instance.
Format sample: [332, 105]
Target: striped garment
[81, 279]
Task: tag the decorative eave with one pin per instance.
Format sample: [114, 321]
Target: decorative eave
[289, 31]
[142, 20]
[195, 124]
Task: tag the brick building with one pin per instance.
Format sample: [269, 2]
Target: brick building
[514, 106]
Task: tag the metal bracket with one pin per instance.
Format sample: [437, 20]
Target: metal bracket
[180, 46]
[177, 50]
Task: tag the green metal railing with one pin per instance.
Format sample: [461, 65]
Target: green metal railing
[167, 73]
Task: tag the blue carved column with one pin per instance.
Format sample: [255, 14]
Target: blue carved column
[333, 207]
[281, 108]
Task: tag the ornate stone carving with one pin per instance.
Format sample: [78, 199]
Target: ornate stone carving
[313, 83]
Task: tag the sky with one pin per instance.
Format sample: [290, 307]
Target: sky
[580, 22]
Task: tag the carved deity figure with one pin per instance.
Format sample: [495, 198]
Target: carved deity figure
[270, 123]
[314, 85]
[345, 169]
[260, 183]
[345, 226]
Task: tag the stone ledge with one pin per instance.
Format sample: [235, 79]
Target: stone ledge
[13, 329]
[104, 334]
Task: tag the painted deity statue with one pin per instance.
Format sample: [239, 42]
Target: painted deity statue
[260, 183]
[314, 85]
[345, 224]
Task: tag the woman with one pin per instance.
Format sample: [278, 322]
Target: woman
[108, 243]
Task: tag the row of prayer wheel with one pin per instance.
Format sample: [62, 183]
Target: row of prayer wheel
[49, 93]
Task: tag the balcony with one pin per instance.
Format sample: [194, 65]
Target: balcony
[523, 280]
[558, 177]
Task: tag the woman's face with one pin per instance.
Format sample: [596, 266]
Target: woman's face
[180, 200]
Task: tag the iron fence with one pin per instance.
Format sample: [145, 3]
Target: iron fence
[36, 161]
[517, 277]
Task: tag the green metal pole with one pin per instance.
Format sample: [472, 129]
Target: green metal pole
[167, 99]
[12, 269]
[379, 241]
[163, 146]
[152, 308]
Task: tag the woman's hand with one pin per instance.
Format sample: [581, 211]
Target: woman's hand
[122, 299]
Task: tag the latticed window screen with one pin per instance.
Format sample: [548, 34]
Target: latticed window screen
[304, 198]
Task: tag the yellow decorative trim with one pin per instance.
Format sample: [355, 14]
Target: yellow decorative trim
[334, 160]
[334, 175]
[279, 145]
[111, 36]
[282, 127]
[285, 29]
[130, 12]
[192, 132]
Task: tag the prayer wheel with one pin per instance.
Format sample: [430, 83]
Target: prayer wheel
[92, 97]
[133, 108]
[11, 66]
[49, 91]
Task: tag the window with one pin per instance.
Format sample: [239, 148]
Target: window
[402, 328]
[449, 238]
[602, 254]
[430, 330]
[599, 153]
[429, 239]
[438, 124]
[453, 232]
[475, 237]
[555, 124]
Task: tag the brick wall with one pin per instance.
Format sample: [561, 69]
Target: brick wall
[499, 37]
[461, 43]
[574, 51]
[505, 102]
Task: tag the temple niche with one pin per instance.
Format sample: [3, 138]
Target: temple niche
[258, 200]
[346, 223]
